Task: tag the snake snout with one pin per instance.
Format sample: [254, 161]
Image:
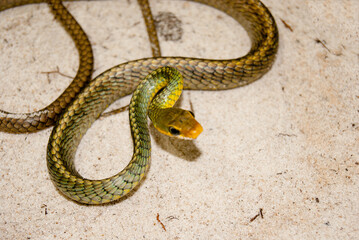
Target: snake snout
[190, 128]
[195, 131]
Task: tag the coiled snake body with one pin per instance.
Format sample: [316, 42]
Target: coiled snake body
[121, 80]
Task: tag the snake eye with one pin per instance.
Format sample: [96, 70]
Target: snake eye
[191, 113]
[173, 131]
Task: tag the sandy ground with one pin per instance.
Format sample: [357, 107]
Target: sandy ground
[285, 146]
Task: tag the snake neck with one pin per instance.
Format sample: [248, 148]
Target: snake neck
[159, 90]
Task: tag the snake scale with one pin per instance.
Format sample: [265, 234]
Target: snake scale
[31, 122]
[122, 80]
[43, 118]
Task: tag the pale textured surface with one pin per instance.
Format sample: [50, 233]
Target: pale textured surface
[287, 144]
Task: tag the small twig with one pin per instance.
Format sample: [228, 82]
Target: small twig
[323, 43]
[113, 112]
[287, 25]
[259, 214]
[159, 221]
[286, 135]
[172, 218]
[44, 206]
[254, 218]
[191, 106]
[317, 40]
[57, 71]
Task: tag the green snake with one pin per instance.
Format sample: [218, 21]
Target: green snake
[122, 80]
[31, 122]
[46, 117]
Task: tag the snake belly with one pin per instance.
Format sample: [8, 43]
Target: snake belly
[121, 80]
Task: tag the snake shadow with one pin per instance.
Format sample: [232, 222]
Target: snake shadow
[181, 148]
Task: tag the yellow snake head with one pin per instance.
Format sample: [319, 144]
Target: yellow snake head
[179, 123]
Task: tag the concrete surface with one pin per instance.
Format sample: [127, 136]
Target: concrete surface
[285, 146]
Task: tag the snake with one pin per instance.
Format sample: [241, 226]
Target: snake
[122, 80]
[46, 117]
[43, 118]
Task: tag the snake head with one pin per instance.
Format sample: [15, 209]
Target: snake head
[176, 122]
